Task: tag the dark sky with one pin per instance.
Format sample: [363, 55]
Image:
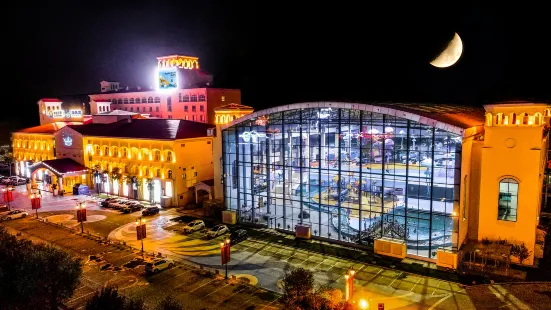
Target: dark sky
[279, 52]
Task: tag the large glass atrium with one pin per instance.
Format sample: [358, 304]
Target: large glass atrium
[352, 175]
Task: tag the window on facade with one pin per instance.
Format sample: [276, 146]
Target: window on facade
[120, 101]
[185, 98]
[186, 117]
[525, 119]
[157, 100]
[157, 155]
[202, 108]
[150, 109]
[169, 104]
[144, 100]
[156, 109]
[201, 98]
[150, 100]
[98, 150]
[202, 118]
[193, 108]
[115, 152]
[508, 200]
[158, 174]
[125, 169]
[223, 98]
[194, 118]
[146, 172]
[106, 151]
[137, 109]
[169, 116]
[137, 100]
[169, 156]
[185, 108]
[125, 101]
[169, 174]
[131, 109]
[131, 100]
[514, 119]
[193, 98]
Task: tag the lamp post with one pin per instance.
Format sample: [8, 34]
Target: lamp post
[402, 141]
[225, 253]
[141, 232]
[349, 277]
[8, 195]
[81, 215]
[35, 202]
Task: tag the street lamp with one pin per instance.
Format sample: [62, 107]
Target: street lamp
[8, 195]
[141, 232]
[349, 277]
[35, 202]
[363, 304]
[225, 253]
[81, 215]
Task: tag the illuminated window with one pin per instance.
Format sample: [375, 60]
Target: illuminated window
[169, 156]
[125, 169]
[185, 109]
[186, 118]
[193, 98]
[157, 155]
[508, 200]
[131, 100]
[513, 119]
[537, 118]
[193, 108]
[125, 101]
[143, 100]
[223, 98]
[106, 151]
[147, 172]
[168, 185]
[547, 112]
[169, 104]
[157, 100]
[158, 174]
[185, 98]
[98, 150]
[115, 152]
[150, 100]
[201, 98]
[202, 108]
[124, 152]
[525, 119]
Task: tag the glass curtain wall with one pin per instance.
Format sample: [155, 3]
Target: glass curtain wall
[351, 175]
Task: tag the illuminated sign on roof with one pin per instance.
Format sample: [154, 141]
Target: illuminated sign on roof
[178, 61]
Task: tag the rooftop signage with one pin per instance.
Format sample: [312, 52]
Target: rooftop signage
[178, 61]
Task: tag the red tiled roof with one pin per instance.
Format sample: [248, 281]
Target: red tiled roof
[155, 129]
[50, 100]
[47, 128]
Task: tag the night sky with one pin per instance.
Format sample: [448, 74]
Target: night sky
[279, 53]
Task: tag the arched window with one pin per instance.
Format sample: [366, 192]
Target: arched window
[106, 151]
[169, 156]
[115, 152]
[169, 104]
[131, 100]
[137, 100]
[150, 100]
[157, 100]
[537, 119]
[144, 100]
[158, 174]
[185, 98]
[525, 119]
[201, 98]
[547, 112]
[120, 101]
[499, 118]
[514, 119]
[508, 200]
[146, 172]
[169, 174]
[125, 101]
[124, 151]
[125, 168]
[193, 98]
[157, 155]
[98, 150]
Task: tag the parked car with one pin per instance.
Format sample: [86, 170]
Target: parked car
[132, 208]
[238, 236]
[194, 225]
[217, 230]
[150, 211]
[14, 214]
[159, 264]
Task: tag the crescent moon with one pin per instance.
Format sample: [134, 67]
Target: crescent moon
[450, 55]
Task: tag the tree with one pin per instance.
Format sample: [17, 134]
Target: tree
[35, 275]
[116, 176]
[110, 299]
[7, 159]
[521, 252]
[298, 284]
[169, 303]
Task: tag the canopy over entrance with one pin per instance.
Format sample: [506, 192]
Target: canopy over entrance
[60, 167]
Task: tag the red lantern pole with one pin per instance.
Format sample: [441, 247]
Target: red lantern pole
[35, 202]
[81, 215]
[225, 254]
[8, 195]
[141, 232]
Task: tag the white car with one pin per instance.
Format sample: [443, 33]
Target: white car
[159, 264]
[194, 225]
[217, 230]
[14, 214]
